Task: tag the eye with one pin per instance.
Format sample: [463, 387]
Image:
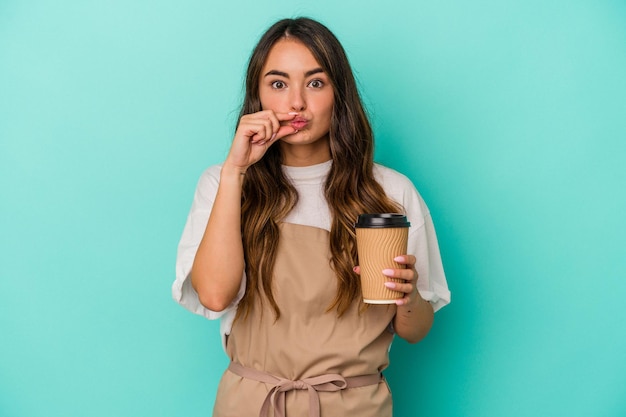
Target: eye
[278, 85]
[316, 83]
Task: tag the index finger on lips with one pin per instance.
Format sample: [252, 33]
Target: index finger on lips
[283, 117]
[276, 129]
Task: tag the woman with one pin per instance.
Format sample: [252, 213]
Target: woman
[269, 245]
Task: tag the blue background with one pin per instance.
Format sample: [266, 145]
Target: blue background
[510, 117]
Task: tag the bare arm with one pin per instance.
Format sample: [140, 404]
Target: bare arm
[216, 281]
[219, 262]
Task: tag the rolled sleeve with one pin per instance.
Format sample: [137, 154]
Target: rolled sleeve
[431, 283]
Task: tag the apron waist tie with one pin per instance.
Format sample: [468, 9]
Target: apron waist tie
[322, 383]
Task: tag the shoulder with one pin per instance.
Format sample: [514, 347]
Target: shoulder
[212, 173]
[397, 186]
[207, 185]
[390, 179]
[210, 177]
[401, 189]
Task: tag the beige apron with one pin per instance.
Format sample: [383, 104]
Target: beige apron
[306, 345]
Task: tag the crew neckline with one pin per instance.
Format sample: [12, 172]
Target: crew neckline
[310, 172]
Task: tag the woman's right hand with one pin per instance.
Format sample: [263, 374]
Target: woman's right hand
[255, 134]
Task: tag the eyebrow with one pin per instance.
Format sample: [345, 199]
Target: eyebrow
[284, 74]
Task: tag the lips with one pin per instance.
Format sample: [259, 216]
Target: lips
[299, 123]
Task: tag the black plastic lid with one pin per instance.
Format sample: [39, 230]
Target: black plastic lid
[381, 220]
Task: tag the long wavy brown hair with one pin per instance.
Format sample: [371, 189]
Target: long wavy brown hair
[350, 187]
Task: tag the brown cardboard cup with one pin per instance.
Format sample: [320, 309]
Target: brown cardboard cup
[380, 238]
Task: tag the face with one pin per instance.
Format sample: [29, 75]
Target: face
[293, 81]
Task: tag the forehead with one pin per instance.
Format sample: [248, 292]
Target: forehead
[291, 56]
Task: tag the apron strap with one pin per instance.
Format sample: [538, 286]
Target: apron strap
[322, 383]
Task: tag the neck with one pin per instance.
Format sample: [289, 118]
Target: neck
[305, 155]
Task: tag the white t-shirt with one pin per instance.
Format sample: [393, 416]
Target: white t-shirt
[312, 210]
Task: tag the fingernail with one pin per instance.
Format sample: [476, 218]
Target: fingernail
[400, 302]
[399, 259]
[294, 113]
[390, 284]
[273, 137]
[388, 272]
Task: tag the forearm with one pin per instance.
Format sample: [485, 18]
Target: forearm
[414, 320]
[219, 262]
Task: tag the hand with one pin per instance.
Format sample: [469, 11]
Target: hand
[414, 316]
[409, 275]
[255, 134]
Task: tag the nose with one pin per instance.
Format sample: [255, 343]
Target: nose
[297, 99]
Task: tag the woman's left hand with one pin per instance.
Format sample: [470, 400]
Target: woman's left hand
[414, 317]
[408, 275]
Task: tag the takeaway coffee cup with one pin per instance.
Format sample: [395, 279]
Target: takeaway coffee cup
[379, 239]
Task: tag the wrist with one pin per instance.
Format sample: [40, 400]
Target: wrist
[416, 301]
[232, 171]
